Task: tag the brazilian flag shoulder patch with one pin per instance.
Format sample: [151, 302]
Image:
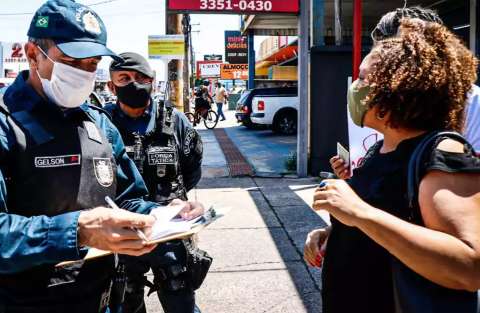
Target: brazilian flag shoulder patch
[42, 21]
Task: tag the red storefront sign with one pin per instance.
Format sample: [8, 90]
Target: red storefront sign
[235, 6]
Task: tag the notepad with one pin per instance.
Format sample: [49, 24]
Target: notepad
[166, 230]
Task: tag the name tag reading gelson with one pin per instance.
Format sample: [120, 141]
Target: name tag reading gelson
[57, 161]
[161, 157]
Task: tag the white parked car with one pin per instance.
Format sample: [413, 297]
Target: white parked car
[278, 111]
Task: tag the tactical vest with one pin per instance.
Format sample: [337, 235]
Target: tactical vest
[58, 165]
[156, 155]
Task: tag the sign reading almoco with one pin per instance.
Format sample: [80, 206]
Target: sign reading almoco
[235, 6]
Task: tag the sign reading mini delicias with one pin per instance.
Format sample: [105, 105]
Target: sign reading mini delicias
[235, 6]
[236, 47]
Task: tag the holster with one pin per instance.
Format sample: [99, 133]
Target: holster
[119, 285]
[198, 264]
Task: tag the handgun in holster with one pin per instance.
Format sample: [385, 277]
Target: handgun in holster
[119, 285]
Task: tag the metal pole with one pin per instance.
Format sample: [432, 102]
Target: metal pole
[338, 23]
[473, 26]
[317, 22]
[192, 60]
[186, 79]
[2, 72]
[303, 89]
[251, 59]
[357, 37]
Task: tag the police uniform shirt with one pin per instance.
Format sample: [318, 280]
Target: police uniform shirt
[189, 141]
[30, 241]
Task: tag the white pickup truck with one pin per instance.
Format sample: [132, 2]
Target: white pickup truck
[278, 111]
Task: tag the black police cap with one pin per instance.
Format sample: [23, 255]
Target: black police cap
[132, 62]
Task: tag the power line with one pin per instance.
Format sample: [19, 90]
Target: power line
[101, 2]
[31, 13]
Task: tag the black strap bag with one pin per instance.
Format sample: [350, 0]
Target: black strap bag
[414, 293]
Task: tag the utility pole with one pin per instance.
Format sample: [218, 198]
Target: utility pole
[303, 89]
[187, 28]
[175, 67]
[192, 56]
[338, 23]
[473, 26]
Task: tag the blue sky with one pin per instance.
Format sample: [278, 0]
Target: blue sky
[129, 22]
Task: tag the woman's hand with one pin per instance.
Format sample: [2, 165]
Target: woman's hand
[336, 196]
[190, 210]
[339, 167]
[315, 246]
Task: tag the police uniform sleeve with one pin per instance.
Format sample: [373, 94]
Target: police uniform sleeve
[131, 188]
[191, 151]
[26, 242]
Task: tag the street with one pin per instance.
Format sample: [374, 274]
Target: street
[258, 246]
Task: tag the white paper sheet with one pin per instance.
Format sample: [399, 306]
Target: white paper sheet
[166, 223]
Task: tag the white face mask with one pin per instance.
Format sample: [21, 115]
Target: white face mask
[68, 87]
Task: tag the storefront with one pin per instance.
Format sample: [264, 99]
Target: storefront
[334, 52]
[339, 37]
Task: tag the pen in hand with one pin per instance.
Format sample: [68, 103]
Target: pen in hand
[114, 206]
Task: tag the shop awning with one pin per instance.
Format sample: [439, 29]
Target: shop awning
[271, 25]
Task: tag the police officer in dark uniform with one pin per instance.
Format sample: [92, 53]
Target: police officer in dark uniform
[59, 159]
[168, 153]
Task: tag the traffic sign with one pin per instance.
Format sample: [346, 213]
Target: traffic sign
[234, 6]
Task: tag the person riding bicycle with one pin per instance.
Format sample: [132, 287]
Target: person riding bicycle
[203, 100]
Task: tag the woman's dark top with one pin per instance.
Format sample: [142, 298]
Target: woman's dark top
[356, 272]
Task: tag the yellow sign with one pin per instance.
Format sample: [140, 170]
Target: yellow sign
[234, 71]
[171, 47]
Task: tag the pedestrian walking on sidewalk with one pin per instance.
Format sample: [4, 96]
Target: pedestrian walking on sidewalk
[221, 97]
[410, 86]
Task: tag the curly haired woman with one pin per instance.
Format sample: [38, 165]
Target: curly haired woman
[412, 84]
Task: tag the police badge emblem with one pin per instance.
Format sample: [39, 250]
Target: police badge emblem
[103, 171]
[91, 24]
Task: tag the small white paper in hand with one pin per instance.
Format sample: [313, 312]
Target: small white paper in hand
[166, 213]
[168, 223]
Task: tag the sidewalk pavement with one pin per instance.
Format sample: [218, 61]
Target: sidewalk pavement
[264, 150]
[214, 163]
[257, 247]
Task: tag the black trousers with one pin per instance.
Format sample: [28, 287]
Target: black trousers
[169, 266]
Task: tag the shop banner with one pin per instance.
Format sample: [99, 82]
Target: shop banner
[169, 47]
[13, 53]
[236, 47]
[234, 71]
[235, 6]
[208, 69]
[213, 57]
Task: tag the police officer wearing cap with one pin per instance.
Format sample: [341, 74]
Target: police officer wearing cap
[59, 159]
[168, 153]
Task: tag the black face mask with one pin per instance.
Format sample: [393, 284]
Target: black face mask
[134, 95]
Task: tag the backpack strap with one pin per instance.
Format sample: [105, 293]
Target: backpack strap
[415, 166]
